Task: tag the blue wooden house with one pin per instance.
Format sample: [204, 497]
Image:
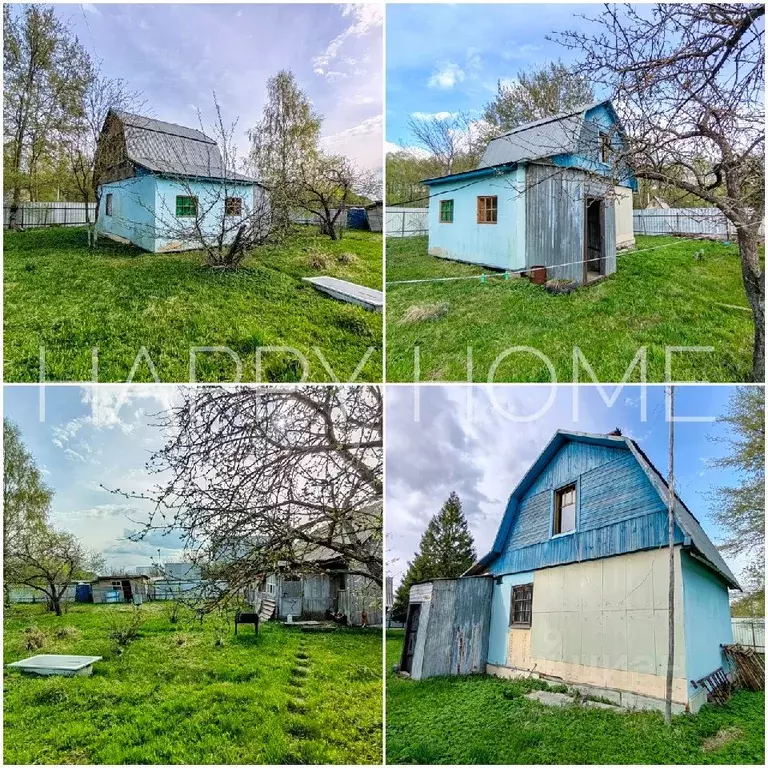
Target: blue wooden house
[543, 194]
[162, 185]
[578, 584]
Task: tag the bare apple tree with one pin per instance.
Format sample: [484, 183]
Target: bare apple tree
[253, 479]
[226, 213]
[326, 186]
[688, 82]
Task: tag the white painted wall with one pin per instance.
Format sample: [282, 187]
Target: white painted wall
[625, 235]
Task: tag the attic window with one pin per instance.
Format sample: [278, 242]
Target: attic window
[605, 147]
[565, 510]
[521, 607]
[446, 211]
[233, 206]
[487, 210]
[186, 206]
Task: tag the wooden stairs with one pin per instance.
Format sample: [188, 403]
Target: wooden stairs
[266, 609]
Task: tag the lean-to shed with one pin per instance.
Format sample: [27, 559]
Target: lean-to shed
[548, 193]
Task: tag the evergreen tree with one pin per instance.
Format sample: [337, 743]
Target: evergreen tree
[446, 550]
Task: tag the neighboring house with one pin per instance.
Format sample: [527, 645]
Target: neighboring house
[121, 588]
[326, 582]
[575, 588]
[159, 182]
[542, 194]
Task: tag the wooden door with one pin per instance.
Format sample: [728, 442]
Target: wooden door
[411, 631]
[593, 257]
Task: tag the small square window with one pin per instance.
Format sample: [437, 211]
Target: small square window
[233, 206]
[186, 206]
[108, 204]
[487, 210]
[565, 510]
[446, 211]
[521, 608]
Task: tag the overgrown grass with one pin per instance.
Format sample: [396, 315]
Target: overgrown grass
[657, 299]
[486, 720]
[175, 696]
[69, 299]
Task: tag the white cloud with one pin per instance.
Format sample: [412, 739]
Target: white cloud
[433, 115]
[446, 76]
[418, 152]
[91, 8]
[362, 142]
[365, 18]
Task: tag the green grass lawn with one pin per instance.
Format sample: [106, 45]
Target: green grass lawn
[174, 696]
[117, 298]
[483, 719]
[656, 299]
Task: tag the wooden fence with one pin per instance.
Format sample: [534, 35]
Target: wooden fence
[34, 215]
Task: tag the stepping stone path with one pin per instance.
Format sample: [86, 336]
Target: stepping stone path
[297, 704]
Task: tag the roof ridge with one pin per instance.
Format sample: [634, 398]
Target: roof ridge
[553, 118]
[205, 138]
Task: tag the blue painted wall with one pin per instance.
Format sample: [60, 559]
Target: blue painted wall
[210, 203]
[144, 210]
[133, 210]
[500, 607]
[707, 618]
[500, 245]
[618, 511]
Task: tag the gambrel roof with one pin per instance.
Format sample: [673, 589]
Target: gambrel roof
[695, 539]
[561, 134]
[170, 149]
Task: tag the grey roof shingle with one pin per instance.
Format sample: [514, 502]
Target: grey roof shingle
[173, 149]
[550, 136]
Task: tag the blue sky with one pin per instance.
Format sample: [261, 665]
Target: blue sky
[179, 54]
[448, 58]
[482, 454]
[89, 436]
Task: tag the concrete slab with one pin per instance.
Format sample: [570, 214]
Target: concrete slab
[52, 664]
[343, 290]
[550, 699]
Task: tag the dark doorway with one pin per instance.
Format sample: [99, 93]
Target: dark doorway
[411, 630]
[594, 262]
[127, 591]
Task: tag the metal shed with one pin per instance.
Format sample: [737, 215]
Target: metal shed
[446, 632]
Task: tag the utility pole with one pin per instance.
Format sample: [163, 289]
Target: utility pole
[671, 521]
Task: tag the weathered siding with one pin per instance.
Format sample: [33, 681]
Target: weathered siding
[554, 206]
[453, 628]
[498, 636]
[625, 232]
[500, 245]
[618, 511]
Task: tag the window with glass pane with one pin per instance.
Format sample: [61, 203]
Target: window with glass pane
[521, 607]
[565, 510]
[446, 211]
[487, 210]
[109, 204]
[186, 206]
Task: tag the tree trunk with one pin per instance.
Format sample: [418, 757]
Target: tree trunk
[754, 286]
[56, 604]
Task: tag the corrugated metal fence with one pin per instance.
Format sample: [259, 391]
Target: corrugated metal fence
[682, 221]
[33, 215]
[749, 632]
[407, 222]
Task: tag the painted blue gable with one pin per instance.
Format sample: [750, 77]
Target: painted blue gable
[601, 118]
[618, 510]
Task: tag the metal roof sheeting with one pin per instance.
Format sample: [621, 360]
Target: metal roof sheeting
[174, 150]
